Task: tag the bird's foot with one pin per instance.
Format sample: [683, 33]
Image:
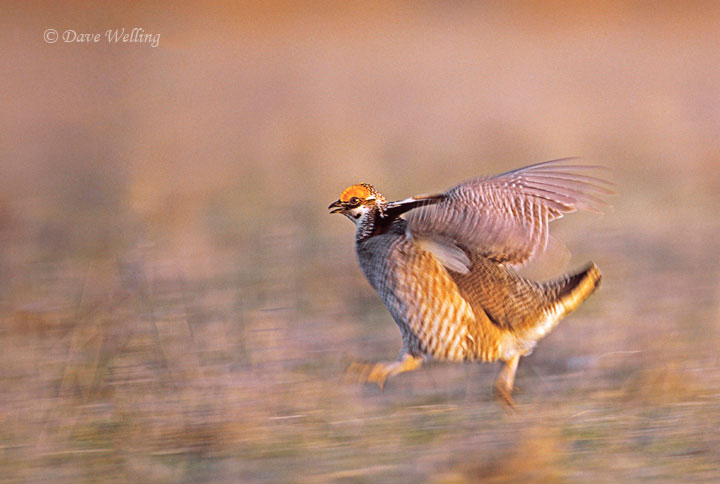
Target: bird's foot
[504, 384]
[368, 373]
[505, 397]
[379, 372]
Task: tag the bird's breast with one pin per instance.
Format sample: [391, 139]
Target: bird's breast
[420, 295]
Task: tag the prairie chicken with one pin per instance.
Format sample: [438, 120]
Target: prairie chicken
[445, 270]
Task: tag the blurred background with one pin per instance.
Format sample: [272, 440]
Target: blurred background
[176, 304]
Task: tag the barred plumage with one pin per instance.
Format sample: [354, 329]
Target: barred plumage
[443, 270]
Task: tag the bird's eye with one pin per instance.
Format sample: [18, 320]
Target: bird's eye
[354, 201]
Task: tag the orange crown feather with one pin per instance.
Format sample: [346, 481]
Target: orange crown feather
[361, 191]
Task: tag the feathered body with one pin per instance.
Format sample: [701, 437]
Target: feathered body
[445, 270]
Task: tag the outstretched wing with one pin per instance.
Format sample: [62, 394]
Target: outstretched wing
[505, 217]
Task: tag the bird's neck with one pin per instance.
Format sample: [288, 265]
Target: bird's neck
[375, 222]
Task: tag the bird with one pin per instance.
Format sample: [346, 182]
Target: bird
[446, 265]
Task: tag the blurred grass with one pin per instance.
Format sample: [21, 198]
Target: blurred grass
[177, 306]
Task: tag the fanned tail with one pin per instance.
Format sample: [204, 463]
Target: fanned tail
[569, 291]
[562, 296]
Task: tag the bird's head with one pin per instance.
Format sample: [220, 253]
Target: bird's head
[357, 201]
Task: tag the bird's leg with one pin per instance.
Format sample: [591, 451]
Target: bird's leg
[379, 372]
[505, 381]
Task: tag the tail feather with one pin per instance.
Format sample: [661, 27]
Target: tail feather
[561, 297]
[569, 291]
[574, 289]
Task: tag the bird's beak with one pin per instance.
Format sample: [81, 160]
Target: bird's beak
[335, 207]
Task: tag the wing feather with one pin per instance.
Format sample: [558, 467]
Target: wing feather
[506, 217]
